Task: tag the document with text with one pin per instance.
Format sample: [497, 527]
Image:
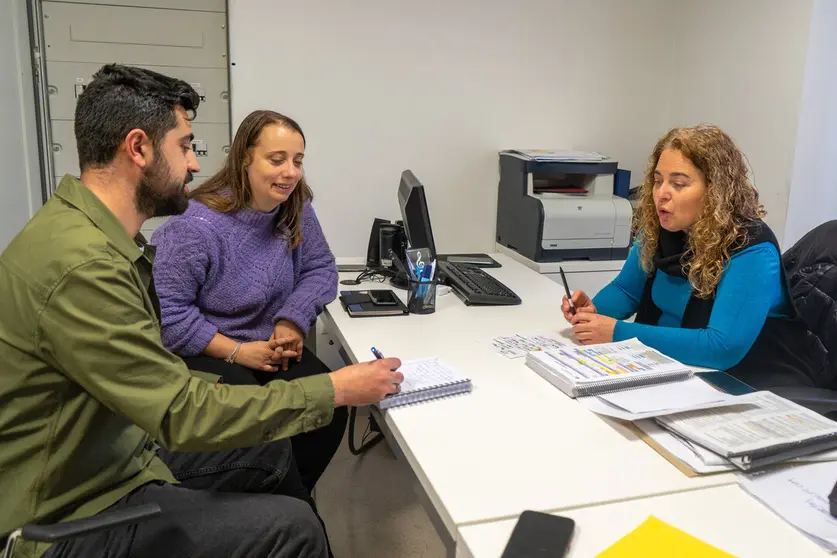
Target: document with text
[799, 495]
[765, 427]
[518, 344]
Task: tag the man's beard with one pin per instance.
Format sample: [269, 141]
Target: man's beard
[159, 194]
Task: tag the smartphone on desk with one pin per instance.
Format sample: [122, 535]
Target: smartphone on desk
[725, 382]
[540, 535]
[383, 297]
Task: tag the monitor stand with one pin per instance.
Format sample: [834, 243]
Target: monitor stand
[399, 281]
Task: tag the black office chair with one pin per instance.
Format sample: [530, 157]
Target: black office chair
[812, 283]
[60, 532]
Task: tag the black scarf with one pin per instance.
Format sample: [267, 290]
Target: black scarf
[670, 251]
[782, 355]
[669, 259]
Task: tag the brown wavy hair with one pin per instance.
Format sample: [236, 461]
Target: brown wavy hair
[730, 201]
[229, 189]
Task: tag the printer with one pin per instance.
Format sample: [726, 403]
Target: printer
[557, 210]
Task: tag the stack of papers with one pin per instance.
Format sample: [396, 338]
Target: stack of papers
[690, 457]
[658, 400]
[799, 495]
[763, 430]
[556, 155]
[681, 452]
[518, 344]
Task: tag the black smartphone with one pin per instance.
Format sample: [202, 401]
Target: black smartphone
[539, 535]
[381, 297]
[726, 383]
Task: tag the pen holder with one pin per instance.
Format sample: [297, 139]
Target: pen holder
[422, 296]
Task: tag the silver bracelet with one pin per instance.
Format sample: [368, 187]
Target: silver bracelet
[234, 355]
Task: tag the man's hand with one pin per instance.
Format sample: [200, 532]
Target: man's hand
[591, 328]
[262, 355]
[582, 303]
[289, 331]
[366, 383]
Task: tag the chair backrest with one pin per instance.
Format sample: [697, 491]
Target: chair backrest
[811, 268]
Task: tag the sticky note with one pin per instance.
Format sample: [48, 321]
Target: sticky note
[657, 539]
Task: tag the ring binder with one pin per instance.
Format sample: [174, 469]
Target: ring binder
[764, 429]
[605, 368]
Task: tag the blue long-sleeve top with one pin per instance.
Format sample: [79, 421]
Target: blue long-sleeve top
[750, 291]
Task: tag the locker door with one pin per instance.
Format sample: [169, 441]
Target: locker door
[186, 39]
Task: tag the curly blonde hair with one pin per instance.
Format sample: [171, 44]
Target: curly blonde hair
[730, 201]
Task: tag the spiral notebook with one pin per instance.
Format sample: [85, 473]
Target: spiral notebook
[608, 367]
[426, 379]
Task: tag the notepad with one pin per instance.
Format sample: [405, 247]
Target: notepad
[359, 304]
[426, 379]
[657, 539]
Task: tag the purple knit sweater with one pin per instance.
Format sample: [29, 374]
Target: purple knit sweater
[231, 273]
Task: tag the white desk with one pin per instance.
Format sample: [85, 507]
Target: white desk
[726, 517]
[515, 442]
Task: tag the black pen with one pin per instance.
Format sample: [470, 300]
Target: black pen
[567, 289]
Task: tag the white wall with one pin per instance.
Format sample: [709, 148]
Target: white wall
[813, 196]
[740, 65]
[440, 87]
[381, 86]
[20, 189]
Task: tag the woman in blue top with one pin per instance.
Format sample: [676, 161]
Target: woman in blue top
[705, 274]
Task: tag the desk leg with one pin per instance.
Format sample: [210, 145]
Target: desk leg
[448, 539]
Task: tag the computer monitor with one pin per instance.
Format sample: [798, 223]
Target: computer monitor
[414, 213]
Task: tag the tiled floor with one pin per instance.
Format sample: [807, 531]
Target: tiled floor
[370, 507]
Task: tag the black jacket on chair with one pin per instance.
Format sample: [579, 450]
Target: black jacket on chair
[811, 268]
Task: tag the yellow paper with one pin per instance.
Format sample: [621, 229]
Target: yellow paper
[658, 539]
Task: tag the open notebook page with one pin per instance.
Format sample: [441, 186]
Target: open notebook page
[426, 373]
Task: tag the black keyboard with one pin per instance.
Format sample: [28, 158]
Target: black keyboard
[475, 286]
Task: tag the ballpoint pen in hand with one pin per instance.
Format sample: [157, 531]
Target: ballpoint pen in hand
[567, 289]
[380, 356]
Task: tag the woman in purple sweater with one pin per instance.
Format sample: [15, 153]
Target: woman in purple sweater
[246, 266]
